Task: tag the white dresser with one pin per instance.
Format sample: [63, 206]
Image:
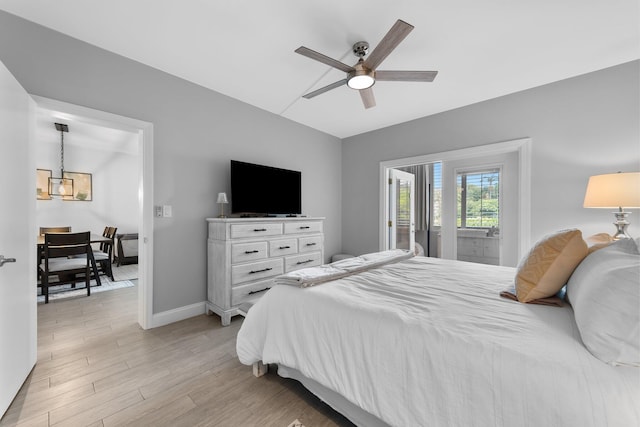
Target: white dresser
[245, 254]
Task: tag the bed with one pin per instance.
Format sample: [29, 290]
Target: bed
[426, 341]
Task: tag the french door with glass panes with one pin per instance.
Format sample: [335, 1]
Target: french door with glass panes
[401, 223]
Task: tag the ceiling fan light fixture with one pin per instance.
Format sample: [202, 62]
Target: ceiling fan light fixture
[360, 78]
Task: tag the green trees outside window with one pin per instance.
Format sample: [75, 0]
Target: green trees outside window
[478, 199]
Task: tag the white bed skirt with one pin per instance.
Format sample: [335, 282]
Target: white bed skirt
[353, 413]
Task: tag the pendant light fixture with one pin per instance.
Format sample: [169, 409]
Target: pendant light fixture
[61, 187]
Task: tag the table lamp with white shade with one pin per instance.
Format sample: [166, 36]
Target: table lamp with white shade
[618, 191]
[222, 200]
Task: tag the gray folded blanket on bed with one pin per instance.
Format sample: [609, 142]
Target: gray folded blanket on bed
[312, 276]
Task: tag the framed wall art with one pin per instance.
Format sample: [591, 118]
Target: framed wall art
[42, 184]
[82, 187]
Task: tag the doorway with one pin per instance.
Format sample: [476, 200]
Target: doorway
[512, 160]
[144, 132]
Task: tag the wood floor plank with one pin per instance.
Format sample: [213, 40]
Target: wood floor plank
[92, 409]
[59, 366]
[41, 420]
[43, 403]
[87, 373]
[151, 413]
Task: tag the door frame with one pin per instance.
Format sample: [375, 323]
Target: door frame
[521, 146]
[145, 189]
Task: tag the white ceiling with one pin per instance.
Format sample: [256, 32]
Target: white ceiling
[245, 49]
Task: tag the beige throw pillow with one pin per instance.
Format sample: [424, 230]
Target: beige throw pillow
[549, 264]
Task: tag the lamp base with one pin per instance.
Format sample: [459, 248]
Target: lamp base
[621, 224]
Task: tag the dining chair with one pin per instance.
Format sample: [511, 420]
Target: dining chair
[44, 230]
[69, 257]
[109, 232]
[104, 255]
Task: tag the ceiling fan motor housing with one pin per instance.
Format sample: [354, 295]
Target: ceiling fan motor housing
[360, 49]
[361, 77]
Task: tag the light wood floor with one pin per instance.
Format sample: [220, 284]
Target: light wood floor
[97, 367]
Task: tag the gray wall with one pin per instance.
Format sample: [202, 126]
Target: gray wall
[196, 133]
[583, 126]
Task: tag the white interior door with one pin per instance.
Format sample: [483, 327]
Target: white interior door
[18, 329]
[401, 210]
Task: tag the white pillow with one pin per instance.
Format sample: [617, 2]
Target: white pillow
[604, 291]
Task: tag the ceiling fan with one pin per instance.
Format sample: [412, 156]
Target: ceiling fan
[364, 74]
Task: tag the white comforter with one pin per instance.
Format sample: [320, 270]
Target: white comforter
[428, 342]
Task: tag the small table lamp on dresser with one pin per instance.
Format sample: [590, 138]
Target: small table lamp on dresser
[222, 200]
[615, 190]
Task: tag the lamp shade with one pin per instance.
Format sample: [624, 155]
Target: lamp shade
[614, 190]
[222, 198]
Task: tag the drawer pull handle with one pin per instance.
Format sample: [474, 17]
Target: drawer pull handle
[304, 262]
[284, 247]
[251, 252]
[304, 227]
[257, 292]
[311, 244]
[260, 271]
[259, 229]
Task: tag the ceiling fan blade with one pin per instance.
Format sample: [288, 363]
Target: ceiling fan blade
[406, 76]
[305, 51]
[389, 42]
[367, 97]
[325, 89]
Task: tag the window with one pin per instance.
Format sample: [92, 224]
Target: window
[436, 194]
[478, 199]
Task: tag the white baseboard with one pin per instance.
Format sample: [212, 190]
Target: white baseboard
[177, 314]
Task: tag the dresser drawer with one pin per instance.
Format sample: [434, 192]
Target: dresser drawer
[239, 231]
[296, 262]
[309, 244]
[297, 227]
[249, 292]
[283, 247]
[244, 252]
[242, 273]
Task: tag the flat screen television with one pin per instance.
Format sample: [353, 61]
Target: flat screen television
[265, 190]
